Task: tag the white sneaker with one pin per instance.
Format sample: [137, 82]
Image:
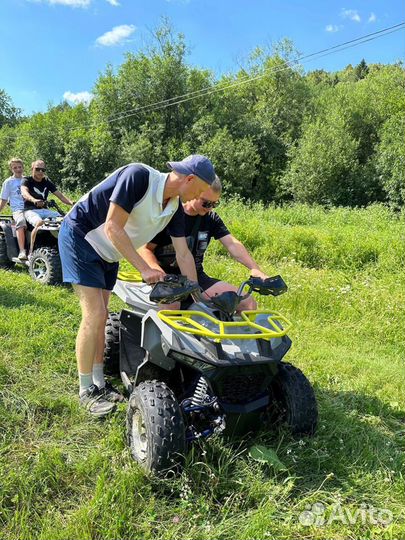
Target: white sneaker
[22, 255]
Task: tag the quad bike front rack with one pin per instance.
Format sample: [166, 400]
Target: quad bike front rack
[187, 321]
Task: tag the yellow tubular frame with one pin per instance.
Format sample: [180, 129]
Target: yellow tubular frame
[182, 320]
[133, 276]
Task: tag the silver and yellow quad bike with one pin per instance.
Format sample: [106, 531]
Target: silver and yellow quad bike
[191, 373]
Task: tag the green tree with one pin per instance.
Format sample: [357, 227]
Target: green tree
[9, 114]
[390, 159]
[350, 119]
[361, 70]
[324, 166]
[266, 106]
[236, 162]
[273, 132]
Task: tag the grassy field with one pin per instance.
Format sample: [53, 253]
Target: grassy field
[65, 476]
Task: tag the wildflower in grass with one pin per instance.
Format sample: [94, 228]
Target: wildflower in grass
[345, 289]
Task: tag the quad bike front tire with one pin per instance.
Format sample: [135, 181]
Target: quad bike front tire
[4, 260]
[112, 344]
[45, 266]
[292, 400]
[155, 427]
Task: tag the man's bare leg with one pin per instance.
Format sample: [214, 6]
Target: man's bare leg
[99, 356]
[98, 366]
[110, 393]
[94, 313]
[20, 232]
[34, 235]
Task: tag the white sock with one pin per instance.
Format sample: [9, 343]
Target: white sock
[86, 380]
[98, 375]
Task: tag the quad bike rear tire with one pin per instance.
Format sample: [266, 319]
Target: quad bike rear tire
[45, 266]
[112, 344]
[292, 400]
[4, 260]
[155, 427]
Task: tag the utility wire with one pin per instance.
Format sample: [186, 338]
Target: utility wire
[211, 89]
[220, 87]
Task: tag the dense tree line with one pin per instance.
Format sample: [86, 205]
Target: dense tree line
[274, 132]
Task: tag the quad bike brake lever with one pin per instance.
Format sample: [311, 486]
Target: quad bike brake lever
[52, 204]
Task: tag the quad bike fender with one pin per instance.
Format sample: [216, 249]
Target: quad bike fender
[11, 242]
[4, 222]
[136, 295]
[137, 360]
[154, 335]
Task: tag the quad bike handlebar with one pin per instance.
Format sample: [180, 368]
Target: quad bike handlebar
[176, 287]
[53, 204]
[273, 286]
[172, 289]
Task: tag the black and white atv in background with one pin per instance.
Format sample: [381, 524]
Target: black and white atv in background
[44, 264]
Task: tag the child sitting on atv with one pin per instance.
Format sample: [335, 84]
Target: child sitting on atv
[11, 193]
[35, 190]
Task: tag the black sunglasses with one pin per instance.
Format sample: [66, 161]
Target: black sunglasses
[209, 204]
[40, 169]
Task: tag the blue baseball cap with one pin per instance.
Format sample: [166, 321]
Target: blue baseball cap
[196, 164]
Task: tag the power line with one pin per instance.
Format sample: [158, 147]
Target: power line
[299, 59]
[220, 87]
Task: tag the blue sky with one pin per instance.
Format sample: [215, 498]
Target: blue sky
[55, 48]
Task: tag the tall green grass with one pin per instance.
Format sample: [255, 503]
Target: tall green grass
[339, 238]
[65, 476]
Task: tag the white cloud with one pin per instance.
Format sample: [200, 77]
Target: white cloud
[351, 14]
[372, 17]
[332, 28]
[113, 2]
[71, 3]
[79, 97]
[116, 36]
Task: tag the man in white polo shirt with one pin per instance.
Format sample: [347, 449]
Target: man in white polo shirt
[109, 223]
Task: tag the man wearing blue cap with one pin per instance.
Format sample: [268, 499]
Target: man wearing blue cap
[113, 220]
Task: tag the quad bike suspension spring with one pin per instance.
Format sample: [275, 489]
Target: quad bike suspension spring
[200, 392]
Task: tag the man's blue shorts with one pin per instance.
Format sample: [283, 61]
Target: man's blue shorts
[81, 264]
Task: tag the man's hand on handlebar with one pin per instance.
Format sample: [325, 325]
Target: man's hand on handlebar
[40, 203]
[258, 274]
[152, 275]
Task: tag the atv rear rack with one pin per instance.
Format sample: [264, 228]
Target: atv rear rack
[184, 321]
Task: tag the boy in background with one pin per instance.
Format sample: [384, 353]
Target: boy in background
[11, 192]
